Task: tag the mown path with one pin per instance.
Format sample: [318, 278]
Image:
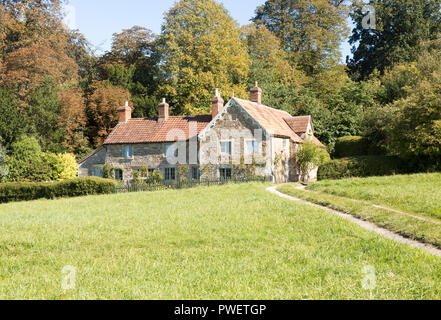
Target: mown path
[364, 224]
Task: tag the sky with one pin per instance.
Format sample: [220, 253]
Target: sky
[99, 19]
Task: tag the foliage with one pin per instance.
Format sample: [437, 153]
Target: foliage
[362, 167]
[27, 162]
[11, 124]
[155, 177]
[309, 30]
[201, 49]
[351, 146]
[25, 191]
[245, 170]
[310, 156]
[69, 165]
[108, 172]
[401, 27]
[183, 172]
[102, 110]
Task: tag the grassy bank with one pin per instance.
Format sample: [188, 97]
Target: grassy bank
[418, 193]
[228, 242]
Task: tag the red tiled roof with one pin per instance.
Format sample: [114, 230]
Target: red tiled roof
[298, 124]
[272, 120]
[150, 130]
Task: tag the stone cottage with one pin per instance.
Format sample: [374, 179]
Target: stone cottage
[239, 133]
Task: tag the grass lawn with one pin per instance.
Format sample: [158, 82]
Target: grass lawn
[419, 193]
[232, 242]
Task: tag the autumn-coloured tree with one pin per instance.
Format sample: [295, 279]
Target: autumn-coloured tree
[201, 50]
[35, 45]
[102, 109]
[72, 118]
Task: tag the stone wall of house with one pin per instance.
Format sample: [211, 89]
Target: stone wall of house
[281, 150]
[87, 168]
[236, 126]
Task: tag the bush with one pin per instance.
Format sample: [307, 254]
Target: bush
[310, 156]
[351, 146]
[69, 166]
[22, 191]
[362, 167]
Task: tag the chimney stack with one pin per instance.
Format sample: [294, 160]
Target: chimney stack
[163, 111]
[217, 104]
[125, 113]
[256, 94]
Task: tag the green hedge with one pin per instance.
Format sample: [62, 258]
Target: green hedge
[22, 191]
[351, 146]
[361, 167]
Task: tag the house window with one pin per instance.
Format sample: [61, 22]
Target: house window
[226, 147]
[225, 173]
[252, 147]
[195, 173]
[118, 174]
[170, 174]
[98, 172]
[128, 152]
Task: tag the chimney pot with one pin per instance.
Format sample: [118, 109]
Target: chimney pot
[217, 104]
[256, 94]
[163, 111]
[125, 113]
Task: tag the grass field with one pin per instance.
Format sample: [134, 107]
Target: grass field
[229, 242]
[419, 193]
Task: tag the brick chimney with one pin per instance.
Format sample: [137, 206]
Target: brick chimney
[125, 113]
[217, 104]
[256, 94]
[163, 111]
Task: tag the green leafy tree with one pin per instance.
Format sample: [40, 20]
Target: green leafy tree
[4, 169]
[201, 49]
[310, 30]
[11, 121]
[401, 27]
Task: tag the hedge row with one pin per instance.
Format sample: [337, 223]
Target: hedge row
[361, 167]
[22, 191]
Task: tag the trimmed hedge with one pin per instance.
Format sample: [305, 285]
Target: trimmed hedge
[361, 167]
[350, 146]
[23, 191]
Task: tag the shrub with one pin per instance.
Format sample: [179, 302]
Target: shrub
[21, 191]
[310, 156]
[351, 146]
[362, 167]
[69, 166]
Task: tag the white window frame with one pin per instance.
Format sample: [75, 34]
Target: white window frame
[128, 155]
[231, 147]
[165, 173]
[256, 146]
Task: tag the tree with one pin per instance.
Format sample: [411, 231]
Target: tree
[35, 45]
[201, 49]
[72, 119]
[401, 27]
[27, 162]
[41, 114]
[11, 121]
[102, 110]
[310, 30]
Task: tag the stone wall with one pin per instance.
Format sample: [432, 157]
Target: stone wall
[87, 168]
[236, 126]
